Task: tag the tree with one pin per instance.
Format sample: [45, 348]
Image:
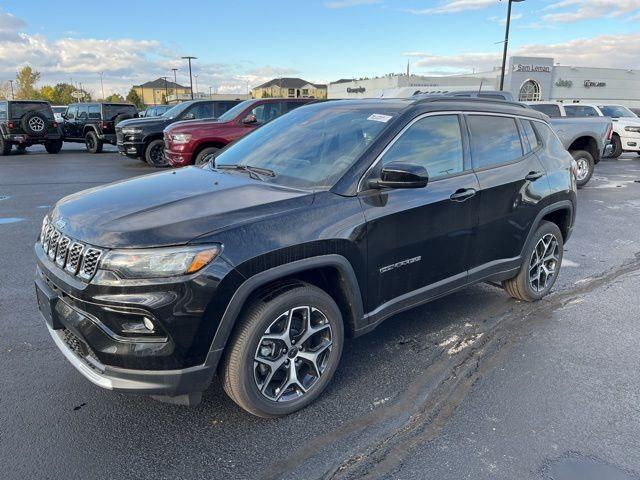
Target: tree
[26, 80]
[133, 97]
[115, 97]
[48, 93]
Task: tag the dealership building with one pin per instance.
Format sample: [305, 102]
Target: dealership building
[527, 78]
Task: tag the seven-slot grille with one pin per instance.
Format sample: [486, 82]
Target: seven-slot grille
[75, 257]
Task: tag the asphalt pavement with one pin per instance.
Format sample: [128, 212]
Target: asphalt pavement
[474, 385]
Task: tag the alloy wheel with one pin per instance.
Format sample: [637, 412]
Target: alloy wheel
[583, 169]
[36, 124]
[89, 142]
[156, 155]
[544, 263]
[292, 354]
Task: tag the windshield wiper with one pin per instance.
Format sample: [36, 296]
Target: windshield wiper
[256, 173]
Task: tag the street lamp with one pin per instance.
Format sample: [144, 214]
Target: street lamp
[175, 81]
[190, 76]
[506, 42]
[196, 77]
[102, 84]
[12, 95]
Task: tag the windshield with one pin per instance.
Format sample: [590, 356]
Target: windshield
[313, 146]
[616, 111]
[235, 111]
[18, 109]
[174, 112]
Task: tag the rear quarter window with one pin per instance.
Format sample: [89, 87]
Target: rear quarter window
[110, 112]
[494, 140]
[553, 154]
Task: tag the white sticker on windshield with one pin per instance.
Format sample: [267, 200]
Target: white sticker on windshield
[377, 117]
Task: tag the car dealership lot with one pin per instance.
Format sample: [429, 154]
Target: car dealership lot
[475, 384]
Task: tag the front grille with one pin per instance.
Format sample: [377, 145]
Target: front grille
[119, 136]
[75, 257]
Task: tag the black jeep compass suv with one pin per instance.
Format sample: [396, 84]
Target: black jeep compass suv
[316, 227]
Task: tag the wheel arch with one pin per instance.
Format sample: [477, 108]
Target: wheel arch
[588, 144]
[87, 128]
[206, 144]
[333, 273]
[560, 213]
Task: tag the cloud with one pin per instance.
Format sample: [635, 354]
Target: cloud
[124, 62]
[454, 7]
[350, 3]
[610, 51]
[577, 10]
[503, 20]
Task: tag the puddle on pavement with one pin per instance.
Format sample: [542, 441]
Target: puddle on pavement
[10, 220]
[575, 466]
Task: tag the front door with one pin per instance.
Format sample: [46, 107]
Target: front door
[69, 125]
[419, 240]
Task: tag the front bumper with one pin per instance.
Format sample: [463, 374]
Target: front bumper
[178, 159]
[131, 149]
[630, 142]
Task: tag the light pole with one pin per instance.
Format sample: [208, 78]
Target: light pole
[506, 42]
[196, 77]
[175, 80]
[12, 95]
[102, 84]
[210, 96]
[190, 76]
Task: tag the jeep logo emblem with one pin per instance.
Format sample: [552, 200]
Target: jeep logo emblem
[60, 224]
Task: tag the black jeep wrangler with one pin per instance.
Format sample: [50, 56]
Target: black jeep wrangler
[94, 124]
[27, 122]
[317, 226]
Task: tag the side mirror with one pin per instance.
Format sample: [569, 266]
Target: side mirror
[249, 119]
[189, 116]
[401, 175]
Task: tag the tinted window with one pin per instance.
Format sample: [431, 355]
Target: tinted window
[433, 142]
[72, 112]
[94, 112]
[266, 112]
[222, 107]
[3, 111]
[580, 111]
[311, 147]
[235, 111]
[531, 140]
[111, 110]
[494, 140]
[551, 142]
[19, 109]
[616, 111]
[83, 112]
[288, 106]
[202, 110]
[551, 110]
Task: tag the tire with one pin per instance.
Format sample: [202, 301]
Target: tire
[617, 146]
[93, 143]
[201, 156]
[586, 165]
[53, 146]
[154, 153]
[241, 373]
[5, 147]
[520, 286]
[34, 124]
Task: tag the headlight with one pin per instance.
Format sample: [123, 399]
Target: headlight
[159, 262]
[632, 129]
[180, 137]
[131, 130]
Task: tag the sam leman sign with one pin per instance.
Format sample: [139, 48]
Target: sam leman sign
[519, 67]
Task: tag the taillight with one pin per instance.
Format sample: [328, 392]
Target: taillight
[106, 125]
[610, 133]
[10, 125]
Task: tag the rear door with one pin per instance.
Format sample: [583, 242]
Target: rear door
[419, 239]
[512, 183]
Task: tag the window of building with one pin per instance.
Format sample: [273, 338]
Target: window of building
[494, 140]
[529, 91]
[292, 92]
[432, 142]
[305, 92]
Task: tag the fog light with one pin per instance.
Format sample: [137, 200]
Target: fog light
[148, 323]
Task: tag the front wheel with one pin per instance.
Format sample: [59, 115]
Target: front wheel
[284, 352]
[93, 143]
[540, 266]
[201, 159]
[154, 153]
[54, 146]
[586, 165]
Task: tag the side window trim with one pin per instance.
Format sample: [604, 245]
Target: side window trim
[535, 132]
[502, 164]
[466, 159]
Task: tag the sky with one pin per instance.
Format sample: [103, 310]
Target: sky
[242, 43]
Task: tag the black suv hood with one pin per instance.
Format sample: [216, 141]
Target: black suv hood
[152, 123]
[170, 208]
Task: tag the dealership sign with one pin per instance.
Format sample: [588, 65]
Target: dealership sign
[519, 67]
[356, 90]
[564, 83]
[589, 84]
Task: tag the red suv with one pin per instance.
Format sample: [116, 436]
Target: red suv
[189, 142]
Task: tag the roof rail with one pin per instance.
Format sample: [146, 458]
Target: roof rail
[453, 98]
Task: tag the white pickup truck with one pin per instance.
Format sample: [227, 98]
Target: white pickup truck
[626, 124]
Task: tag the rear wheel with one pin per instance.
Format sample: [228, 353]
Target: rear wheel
[540, 265]
[5, 147]
[284, 352]
[201, 158]
[617, 146]
[154, 153]
[93, 143]
[53, 146]
[586, 165]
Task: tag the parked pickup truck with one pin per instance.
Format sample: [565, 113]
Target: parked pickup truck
[587, 136]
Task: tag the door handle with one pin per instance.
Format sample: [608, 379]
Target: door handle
[462, 194]
[534, 176]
